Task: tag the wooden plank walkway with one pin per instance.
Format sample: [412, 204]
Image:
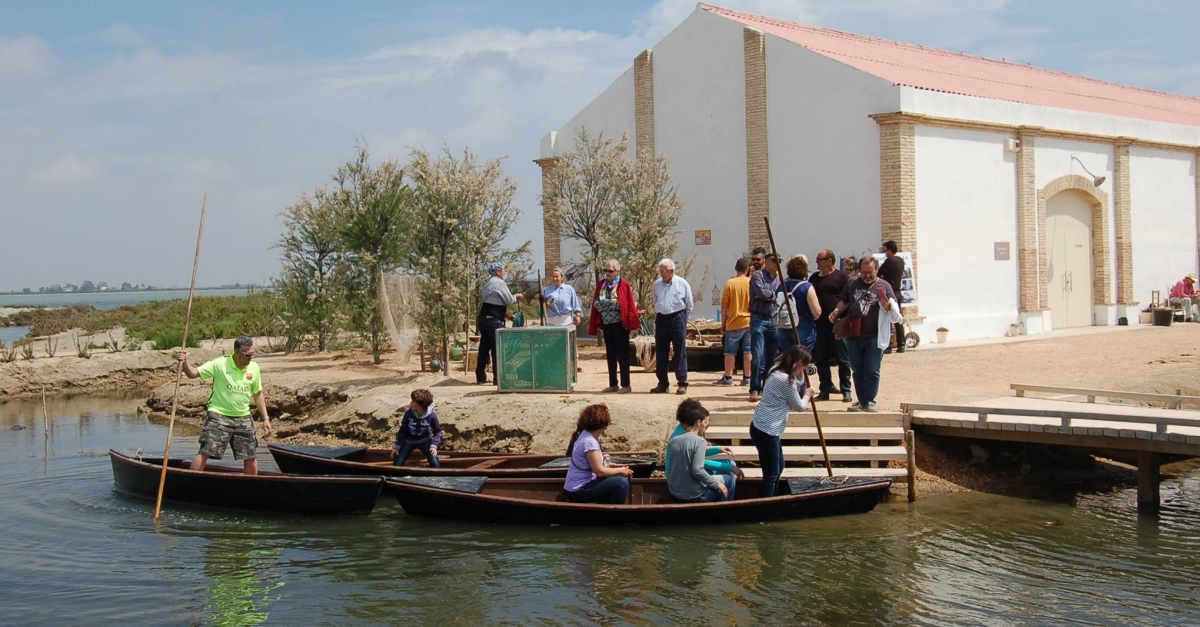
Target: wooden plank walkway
[1148, 432]
[859, 444]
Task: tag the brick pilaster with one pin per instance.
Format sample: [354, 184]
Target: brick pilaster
[643, 104]
[898, 185]
[1122, 205]
[551, 235]
[758, 181]
[1028, 224]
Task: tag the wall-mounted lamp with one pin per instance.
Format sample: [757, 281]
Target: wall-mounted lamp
[1096, 180]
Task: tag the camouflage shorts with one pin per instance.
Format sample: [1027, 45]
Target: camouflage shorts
[221, 431]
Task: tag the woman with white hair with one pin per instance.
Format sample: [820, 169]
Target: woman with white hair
[615, 311]
[493, 311]
[560, 301]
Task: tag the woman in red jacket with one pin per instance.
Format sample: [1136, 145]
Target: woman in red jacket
[614, 310]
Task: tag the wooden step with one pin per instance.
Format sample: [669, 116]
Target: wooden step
[805, 419]
[899, 475]
[895, 433]
[836, 453]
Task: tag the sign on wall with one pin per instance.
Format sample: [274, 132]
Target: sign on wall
[1001, 251]
[704, 238]
[908, 285]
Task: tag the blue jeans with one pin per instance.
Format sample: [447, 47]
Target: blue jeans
[671, 330]
[711, 495]
[611, 490]
[407, 448]
[865, 358]
[736, 340]
[770, 458]
[763, 342]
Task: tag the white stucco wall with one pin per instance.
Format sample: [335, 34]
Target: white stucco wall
[1053, 159]
[700, 124]
[1163, 206]
[966, 201]
[824, 151]
[960, 107]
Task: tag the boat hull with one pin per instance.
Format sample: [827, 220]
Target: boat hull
[225, 487]
[318, 460]
[857, 496]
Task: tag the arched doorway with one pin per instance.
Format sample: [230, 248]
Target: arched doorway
[1070, 260]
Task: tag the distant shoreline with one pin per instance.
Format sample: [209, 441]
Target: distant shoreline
[155, 289]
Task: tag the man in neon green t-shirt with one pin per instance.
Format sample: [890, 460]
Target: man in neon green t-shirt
[237, 381]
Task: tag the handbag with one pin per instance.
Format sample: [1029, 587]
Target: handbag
[847, 327]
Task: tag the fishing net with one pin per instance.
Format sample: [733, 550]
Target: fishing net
[399, 300]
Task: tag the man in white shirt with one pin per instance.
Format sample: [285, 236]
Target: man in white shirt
[673, 303]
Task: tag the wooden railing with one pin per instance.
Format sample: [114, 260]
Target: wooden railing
[859, 444]
[1173, 401]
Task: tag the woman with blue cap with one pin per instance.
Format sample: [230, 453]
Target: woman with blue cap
[492, 313]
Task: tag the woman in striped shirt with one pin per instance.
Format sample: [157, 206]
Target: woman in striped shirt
[783, 391]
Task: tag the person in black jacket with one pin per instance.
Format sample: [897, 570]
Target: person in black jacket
[892, 271]
[419, 429]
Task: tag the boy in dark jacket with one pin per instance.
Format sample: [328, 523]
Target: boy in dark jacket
[418, 430]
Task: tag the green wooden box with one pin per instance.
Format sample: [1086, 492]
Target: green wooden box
[537, 359]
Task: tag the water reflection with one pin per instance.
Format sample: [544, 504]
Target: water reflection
[76, 550]
[242, 572]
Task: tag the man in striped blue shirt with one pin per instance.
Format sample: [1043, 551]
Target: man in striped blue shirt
[673, 303]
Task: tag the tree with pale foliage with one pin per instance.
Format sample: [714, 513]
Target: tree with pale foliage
[374, 217]
[583, 191]
[462, 212]
[312, 282]
[643, 230]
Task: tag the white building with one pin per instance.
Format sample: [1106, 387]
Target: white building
[977, 167]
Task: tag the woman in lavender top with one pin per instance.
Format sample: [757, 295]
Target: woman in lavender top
[590, 478]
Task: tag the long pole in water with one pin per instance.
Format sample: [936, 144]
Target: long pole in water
[187, 320]
[796, 333]
[45, 425]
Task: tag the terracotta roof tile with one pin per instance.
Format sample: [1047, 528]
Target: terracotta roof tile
[938, 70]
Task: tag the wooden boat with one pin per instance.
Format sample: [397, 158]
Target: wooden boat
[224, 486]
[350, 460]
[543, 501]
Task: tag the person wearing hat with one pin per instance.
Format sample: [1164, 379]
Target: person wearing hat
[493, 311]
[1184, 294]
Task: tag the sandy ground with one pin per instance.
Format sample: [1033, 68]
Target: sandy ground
[342, 397]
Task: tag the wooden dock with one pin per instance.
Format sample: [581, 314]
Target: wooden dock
[859, 444]
[1076, 418]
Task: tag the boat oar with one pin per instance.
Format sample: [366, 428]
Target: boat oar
[187, 320]
[796, 333]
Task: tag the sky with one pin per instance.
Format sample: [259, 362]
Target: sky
[115, 118]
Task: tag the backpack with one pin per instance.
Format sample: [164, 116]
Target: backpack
[782, 321]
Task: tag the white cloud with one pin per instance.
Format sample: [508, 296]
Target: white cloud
[67, 170]
[24, 55]
[499, 40]
[149, 73]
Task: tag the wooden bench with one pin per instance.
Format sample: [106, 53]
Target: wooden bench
[1172, 401]
[859, 444]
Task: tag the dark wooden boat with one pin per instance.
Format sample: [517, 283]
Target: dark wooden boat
[349, 460]
[224, 486]
[543, 501]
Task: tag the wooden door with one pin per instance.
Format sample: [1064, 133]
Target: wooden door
[1069, 233]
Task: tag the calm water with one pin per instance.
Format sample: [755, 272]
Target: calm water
[76, 550]
[8, 335]
[105, 300]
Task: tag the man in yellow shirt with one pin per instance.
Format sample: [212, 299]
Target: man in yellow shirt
[237, 381]
[735, 322]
